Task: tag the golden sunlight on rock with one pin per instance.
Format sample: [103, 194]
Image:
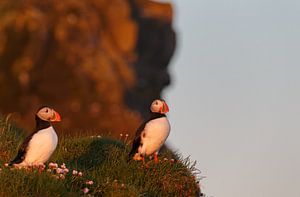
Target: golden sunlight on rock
[85, 59]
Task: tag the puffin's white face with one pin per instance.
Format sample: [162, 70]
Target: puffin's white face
[159, 106]
[48, 114]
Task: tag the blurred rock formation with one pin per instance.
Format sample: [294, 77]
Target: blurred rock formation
[155, 47]
[99, 63]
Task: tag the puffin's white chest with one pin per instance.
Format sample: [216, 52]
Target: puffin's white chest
[41, 146]
[154, 135]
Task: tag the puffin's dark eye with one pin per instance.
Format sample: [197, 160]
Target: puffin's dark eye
[46, 110]
[156, 102]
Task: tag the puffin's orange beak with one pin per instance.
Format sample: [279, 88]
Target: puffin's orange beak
[165, 108]
[56, 117]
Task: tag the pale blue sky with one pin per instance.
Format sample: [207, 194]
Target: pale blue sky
[235, 95]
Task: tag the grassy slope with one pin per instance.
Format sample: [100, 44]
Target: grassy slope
[102, 160]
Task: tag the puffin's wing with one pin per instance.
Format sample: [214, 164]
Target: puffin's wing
[137, 139]
[22, 150]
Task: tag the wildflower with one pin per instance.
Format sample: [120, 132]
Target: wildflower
[85, 190]
[41, 165]
[41, 168]
[66, 170]
[165, 159]
[6, 164]
[121, 135]
[98, 136]
[49, 170]
[53, 165]
[80, 174]
[63, 166]
[59, 171]
[115, 184]
[61, 176]
[126, 137]
[122, 185]
[75, 172]
[172, 160]
[89, 182]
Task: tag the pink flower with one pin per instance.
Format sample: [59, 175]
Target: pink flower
[59, 171]
[63, 166]
[89, 182]
[42, 166]
[85, 190]
[80, 174]
[53, 165]
[75, 172]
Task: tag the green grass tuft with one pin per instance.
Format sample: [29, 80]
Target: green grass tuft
[10, 137]
[102, 160]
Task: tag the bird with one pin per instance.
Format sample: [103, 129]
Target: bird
[151, 134]
[41, 143]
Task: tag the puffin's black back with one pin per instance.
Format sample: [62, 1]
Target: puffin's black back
[40, 124]
[137, 139]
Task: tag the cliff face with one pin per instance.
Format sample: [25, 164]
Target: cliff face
[155, 47]
[99, 63]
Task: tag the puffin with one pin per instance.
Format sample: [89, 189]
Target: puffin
[41, 143]
[151, 134]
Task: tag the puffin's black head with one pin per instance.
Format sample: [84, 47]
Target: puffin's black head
[159, 106]
[48, 114]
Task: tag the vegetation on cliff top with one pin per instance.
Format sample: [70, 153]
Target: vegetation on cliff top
[94, 165]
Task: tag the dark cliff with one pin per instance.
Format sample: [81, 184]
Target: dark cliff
[155, 47]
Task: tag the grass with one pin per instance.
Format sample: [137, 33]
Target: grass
[102, 161]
